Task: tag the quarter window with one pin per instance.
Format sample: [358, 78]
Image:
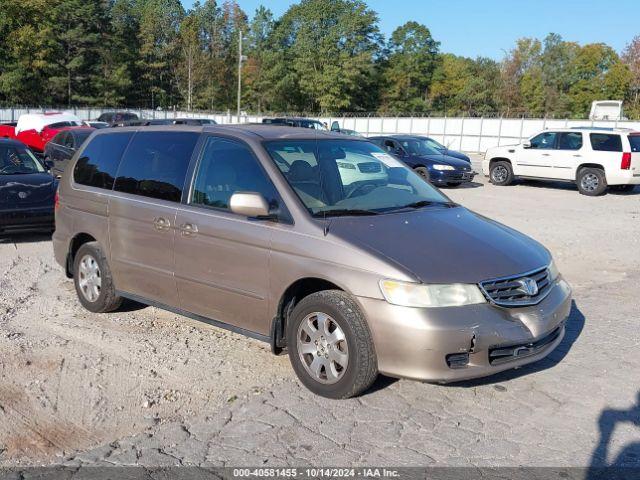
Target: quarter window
[606, 142]
[570, 141]
[155, 164]
[98, 164]
[227, 167]
[544, 141]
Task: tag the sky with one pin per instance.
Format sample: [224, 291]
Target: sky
[490, 27]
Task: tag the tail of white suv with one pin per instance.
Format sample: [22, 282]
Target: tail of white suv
[594, 158]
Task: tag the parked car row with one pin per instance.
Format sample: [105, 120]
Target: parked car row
[326, 246]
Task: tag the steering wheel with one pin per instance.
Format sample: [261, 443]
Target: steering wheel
[364, 187]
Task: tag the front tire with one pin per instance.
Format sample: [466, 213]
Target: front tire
[591, 181]
[93, 281]
[501, 173]
[330, 345]
[423, 172]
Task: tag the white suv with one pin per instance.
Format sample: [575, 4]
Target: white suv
[593, 158]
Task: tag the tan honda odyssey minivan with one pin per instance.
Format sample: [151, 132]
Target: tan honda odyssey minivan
[320, 244]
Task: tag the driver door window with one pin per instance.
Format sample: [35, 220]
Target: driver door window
[544, 141]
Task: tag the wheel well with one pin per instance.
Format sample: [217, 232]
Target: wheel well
[74, 246]
[588, 165]
[498, 159]
[293, 294]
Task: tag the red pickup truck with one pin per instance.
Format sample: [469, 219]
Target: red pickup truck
[36, 129]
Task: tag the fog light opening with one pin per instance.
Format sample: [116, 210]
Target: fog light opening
[457, 360]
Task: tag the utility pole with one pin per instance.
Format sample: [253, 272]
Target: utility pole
[239, 72]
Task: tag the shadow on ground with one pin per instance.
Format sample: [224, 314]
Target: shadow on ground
[25, 238]
[626, 465]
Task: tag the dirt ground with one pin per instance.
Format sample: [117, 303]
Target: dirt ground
[144, 386]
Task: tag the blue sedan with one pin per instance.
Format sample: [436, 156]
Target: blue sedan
[433, 165]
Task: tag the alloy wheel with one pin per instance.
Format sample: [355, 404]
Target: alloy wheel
[322, 347]
[90, 280]
[499, 174]
[590, 182]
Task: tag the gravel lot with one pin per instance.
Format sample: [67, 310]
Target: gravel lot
[143, 386]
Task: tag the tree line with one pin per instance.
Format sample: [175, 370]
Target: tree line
[324, 56]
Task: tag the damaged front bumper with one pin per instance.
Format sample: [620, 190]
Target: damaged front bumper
[459, 343]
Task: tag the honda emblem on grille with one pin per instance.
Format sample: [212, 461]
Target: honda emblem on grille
[528, 286]
[23, 195]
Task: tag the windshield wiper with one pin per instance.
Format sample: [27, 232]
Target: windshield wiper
[344, 212]
[425, 203]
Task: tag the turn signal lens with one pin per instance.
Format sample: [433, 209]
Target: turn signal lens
[56, 201]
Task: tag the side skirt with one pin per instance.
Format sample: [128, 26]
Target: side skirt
[194, 316]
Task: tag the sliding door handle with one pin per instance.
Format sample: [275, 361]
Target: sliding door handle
[188, 229]
[161, 224]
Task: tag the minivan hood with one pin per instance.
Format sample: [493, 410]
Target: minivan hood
[444, 245]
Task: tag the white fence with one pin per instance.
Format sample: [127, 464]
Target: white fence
[467, 134]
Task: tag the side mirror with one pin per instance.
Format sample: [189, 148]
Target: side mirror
[526, 144]
[335, 126]
[249, 204]
[48, 164]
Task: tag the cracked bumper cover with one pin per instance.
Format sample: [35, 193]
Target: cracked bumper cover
[413, 342]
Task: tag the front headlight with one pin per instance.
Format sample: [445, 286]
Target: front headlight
[553, 271]
[443, 167]
[435, 295]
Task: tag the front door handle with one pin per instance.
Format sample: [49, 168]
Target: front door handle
[188, 229]
[546, 154]
[577, 155]
[161, 224]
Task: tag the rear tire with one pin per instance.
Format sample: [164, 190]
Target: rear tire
[501, 173]
[591, 181]
[330, 345]
[423, 172]
[93, 281]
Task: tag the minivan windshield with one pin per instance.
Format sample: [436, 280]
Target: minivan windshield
[350, 177]
[18, 161]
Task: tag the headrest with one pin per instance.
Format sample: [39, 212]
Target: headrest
[301, 171]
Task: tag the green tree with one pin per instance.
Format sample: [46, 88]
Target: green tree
[25, 52]
[158, 31]
[408, 71]
[257, 84]
[329, 47]
[598, 74]
[631, 58]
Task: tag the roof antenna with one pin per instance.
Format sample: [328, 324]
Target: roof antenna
[327, 224]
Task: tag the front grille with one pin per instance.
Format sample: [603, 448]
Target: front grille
[507, 353]
[370, 167]
[516, 290]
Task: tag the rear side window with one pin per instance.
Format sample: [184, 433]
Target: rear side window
[98, 164]
[634, 141]
[155, 164]
[606, 142]
[570, 141]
